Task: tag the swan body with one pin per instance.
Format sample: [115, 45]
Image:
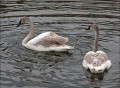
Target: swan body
[96, 61]
[48, 41]
[32, 44]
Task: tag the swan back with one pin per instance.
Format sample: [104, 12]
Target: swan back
[97, 62]
[49, 38]
[48, 41]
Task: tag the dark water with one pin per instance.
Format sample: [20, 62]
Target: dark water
[24, 68]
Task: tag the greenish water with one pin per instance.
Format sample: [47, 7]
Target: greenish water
[24, 68]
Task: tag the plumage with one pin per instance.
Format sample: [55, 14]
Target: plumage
[96, 61]
[48, 41]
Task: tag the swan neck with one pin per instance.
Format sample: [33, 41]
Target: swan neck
[96, 40]
[30, 35]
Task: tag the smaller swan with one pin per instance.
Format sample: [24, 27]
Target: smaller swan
[48, 41]
[96, 61]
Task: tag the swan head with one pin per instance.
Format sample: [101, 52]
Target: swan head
[23, 20]
[93, 26]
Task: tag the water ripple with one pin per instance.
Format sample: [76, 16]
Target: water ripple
[23, 68]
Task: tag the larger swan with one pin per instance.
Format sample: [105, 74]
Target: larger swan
[48, 41]
[96, 61]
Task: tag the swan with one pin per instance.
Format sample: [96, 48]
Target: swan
[48, 41]
[96, 61]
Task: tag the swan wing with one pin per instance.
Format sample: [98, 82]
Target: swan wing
[48, 39]
[100, 57]
[89, 57]
[54, 39]
[96, 58]
[102, 60]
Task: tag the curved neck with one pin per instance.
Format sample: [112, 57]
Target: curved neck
[30, 35]
[95, 48]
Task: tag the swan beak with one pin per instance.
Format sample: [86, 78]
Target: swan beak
[19, 24]
[88, 28]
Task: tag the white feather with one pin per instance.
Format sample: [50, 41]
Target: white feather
[38, 38]
[51, 48]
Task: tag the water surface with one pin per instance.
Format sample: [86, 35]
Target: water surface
[24, 68]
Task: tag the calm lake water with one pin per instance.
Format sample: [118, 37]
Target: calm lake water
[24, 68]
